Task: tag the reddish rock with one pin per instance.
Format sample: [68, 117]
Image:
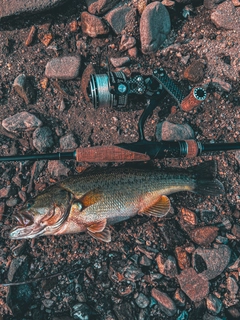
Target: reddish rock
[2, 209]
[165, 303]
[226, 16]
[126, 42]
[191, 282]
[167, 266]
[182, 258]
[22, 121]
[57, 168]
[195, 71]
[93, 26]
[120, 62]
[169, 131]
[188, 216]
[204, 236]
[122, 18]
[24, 88]
[65, 68]
[236, 230]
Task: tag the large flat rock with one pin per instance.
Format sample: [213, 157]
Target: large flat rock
[10, 8]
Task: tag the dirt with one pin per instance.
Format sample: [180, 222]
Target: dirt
[216, 120]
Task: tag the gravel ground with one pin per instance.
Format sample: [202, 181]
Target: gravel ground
[184, 266]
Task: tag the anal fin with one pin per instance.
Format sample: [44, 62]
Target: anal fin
[159, 208]
[104, 236]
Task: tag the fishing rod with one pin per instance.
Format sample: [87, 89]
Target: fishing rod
[114, 89]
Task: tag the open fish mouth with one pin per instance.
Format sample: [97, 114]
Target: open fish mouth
[26, 232]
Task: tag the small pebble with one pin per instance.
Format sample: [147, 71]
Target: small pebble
[167, 266]
[165, 303]
[42, 139]
[68, 142]
[120, 62]
[65, 68]
[142, 301]
[195, 71]
[93, 26]
[168, 131]
[22, 121]
[214, 305]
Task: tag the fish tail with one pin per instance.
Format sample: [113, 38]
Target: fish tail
[205, 177]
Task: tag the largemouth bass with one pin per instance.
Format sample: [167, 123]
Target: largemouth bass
[91, 201]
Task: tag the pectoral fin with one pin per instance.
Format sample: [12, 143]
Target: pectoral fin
[104, 236]
[159, 208]
[91, 197]
[97, 227]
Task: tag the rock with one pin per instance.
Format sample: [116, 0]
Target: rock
[93, 26]
[120, 62]
[57, 168]
[236, 3]
[133, 274]
[126, 42]
[167, 267]
[140, 5]
[188, 216]
[195, 71]
[215, 260]
[204, 236]
[221, 85]
[68, 142]
[82, 311]
[211, 4]
[166, 304]
[155, 25]
[42, 139]
[48, 303]
[106, 5]
[182, 258]
[133, 52]
[144, 261]
[65, 68]
[207, 216]
[233, 312]
[232, 287]
[179, 298]
[226, 16]
[169, 131]
[171, 234]
[22, 121]
[12, 202]
[122, 18]
[236, 230]
[208, 316]
[142, 301]
[124, 311]
[125, 289]
[2, 208]
[85, 80]
[190, 282]
[214, 305]
[17, 7]
[92, 6]
[6, 192]
[24, 88]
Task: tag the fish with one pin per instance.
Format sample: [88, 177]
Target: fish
[95, 199]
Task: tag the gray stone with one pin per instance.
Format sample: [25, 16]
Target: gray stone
[82, 311]
[57, 168]
[120, 62]
[65, 68]
[68, 142]
[12, 202]
[214, 305]
[214, 260]
[6, 192]
[232, 287]
[22, 121]
[122, 18]
[165, 303]
[155, 25]
[179, 298]
[126, 42]
[168, 266]
[190, 282]
[24, 88]
[142, 301]
[106, 5]
[16, 7]
[93, 26]
[169, 131]
[42, 139]
[226, 16]
[211, 4]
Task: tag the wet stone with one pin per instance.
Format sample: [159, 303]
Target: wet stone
[188, 216]
[226, 16]
[142, 301]
[120, 62]
[190, 282]
[236, 230]
[22, 121]
[204, 236]
[155, 25]
[93, 26]
[195, 71]
[17, 7]
[126, 42]
[68, 142]
[168, 131]
[124, 311]
[65, 68]
[215, 260]
[42, 139]
[214, 305]
[122, 18]
[166, 304]
[167, 266]
[182, 258]
[23, 87]
[57, 168]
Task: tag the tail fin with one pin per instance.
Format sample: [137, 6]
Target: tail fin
[206, 182]
[209, 187]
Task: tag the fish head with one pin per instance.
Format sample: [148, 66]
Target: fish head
[42, 215]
